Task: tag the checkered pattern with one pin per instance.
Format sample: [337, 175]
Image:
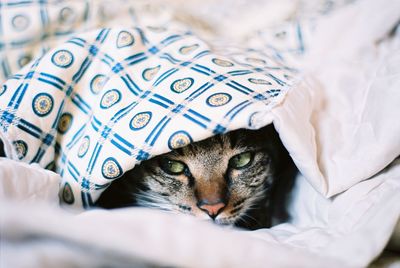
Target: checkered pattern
[98, 104]
[29, 28]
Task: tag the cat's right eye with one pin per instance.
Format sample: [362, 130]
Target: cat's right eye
[241, 160]
[172, 167]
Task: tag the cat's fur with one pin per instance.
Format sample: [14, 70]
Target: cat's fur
[253, 196]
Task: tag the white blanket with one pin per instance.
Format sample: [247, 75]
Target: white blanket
[340, 124]
[348, 231]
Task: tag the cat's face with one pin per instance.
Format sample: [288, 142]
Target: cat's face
[231, 179]
[219, 179]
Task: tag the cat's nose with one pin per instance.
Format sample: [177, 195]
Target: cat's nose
[211, 208]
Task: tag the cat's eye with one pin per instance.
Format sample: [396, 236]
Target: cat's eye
[241, 160]
[172, 167]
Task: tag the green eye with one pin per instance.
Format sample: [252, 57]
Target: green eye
[241, 160]
[172, 167]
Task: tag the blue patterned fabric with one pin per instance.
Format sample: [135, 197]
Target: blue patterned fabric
[29, 28]
[103, 101]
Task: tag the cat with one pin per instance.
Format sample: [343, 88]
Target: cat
[242, 178]
[2, 153]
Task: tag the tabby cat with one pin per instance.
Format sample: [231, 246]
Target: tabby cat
[241, 178]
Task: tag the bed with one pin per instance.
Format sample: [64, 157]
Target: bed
[92, 88]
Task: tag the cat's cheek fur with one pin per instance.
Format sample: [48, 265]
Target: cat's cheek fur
[248, 191]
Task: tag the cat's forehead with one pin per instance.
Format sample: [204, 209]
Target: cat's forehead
[219, 146]
[206, 152]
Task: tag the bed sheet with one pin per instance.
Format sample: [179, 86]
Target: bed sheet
[332, 121]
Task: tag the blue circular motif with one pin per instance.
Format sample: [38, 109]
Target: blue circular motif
[181, 85]
[110, 98]
[259, 81]
[188, 49]
[21, 147]
[252, 119]
[66, 15]
[111, 169]
[125, 39]
[149, 73]
[97, 83]
[222, 63]
[20, 22]
[65, 122]
[42, 104]
[140, 120]
[84, 147]
[67, 194]
[24, 59]
[179, 139]
[256, 61]
[3, 90]
[156, 29]
[218, 99]
[62, 58]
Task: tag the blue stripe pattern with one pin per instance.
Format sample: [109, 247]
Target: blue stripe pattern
[105, 100]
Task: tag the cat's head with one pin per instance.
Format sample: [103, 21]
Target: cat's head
[221, 178]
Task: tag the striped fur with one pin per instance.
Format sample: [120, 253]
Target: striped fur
[254, 196]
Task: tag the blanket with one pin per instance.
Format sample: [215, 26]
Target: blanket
[94, 106]
[102, 101]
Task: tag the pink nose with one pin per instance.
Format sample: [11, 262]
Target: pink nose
[212, 209]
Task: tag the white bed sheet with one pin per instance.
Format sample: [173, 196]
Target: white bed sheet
[341, 127]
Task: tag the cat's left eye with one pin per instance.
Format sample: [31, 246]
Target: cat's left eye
[241, 160]
[172, 167]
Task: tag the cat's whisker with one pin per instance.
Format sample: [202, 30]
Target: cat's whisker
[153, 200]
[150, 197]
[243, 217]
[250, 217]
[244, 163]
[225, 221]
